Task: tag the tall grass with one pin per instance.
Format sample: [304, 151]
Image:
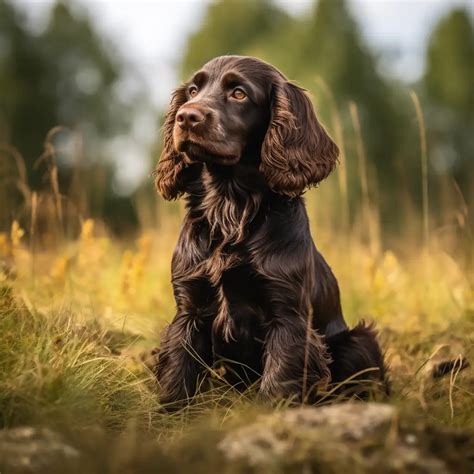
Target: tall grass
[424, 165]
[79, 312]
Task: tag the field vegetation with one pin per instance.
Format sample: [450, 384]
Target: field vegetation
[85, 251]
[82, 310]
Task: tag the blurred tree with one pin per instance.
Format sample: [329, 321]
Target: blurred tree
[20, 109]
[66, 75]
[326, 43]
[82, 71]
[449, 89]
[26, 106]
[232, 27]
[449, 73]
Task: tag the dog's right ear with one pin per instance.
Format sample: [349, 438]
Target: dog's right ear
[171, 162]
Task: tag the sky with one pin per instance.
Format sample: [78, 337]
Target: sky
[152, 35]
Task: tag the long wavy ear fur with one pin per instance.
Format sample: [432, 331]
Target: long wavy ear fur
[171, 163]
[297, 152]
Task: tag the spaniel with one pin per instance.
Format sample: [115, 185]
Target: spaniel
[242, 144]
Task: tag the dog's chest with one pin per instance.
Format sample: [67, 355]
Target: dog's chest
[228, 210]
[229, 207]
[228, 215]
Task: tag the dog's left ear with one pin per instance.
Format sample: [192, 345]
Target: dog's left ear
[297, 152]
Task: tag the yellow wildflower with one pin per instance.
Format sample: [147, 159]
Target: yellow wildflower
[16, 234]
[5, 248]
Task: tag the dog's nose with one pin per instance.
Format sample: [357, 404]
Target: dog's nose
[189, 117]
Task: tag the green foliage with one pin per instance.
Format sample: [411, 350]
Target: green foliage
[66, 75]
[448, 84]
[330, 47]
[327, 45]
[81, 71]
[232, 27]
[326, 52]
[449, 76]
[26, 114]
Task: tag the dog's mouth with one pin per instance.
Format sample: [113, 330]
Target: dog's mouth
[199, 151]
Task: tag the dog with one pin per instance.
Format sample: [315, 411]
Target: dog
[242, 144]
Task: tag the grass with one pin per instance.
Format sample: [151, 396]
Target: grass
[73, 333]
[78, 316]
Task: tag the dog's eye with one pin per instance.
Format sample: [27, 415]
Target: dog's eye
[239, 94]
[192, 91]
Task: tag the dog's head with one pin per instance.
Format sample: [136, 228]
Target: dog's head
[240, 109]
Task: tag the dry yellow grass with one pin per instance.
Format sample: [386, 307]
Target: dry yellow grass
[76, 313]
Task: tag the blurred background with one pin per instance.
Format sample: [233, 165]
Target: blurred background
[86, 243]
[84, 85]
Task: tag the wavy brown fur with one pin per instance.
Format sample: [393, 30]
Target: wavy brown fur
[295, 156]
[252, 292]
[171, 162]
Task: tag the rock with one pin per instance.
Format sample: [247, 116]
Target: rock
[276, 434]
[336, 438]
[32, 450]
[346, 421]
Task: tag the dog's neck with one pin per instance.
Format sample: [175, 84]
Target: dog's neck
[231, 199]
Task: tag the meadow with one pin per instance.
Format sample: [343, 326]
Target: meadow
[81, 310]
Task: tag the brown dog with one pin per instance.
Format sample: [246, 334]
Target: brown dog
[242, 144]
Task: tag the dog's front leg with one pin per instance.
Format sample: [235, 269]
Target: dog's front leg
[295, 355]
[186, 346]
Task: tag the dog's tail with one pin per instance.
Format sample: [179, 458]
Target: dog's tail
[358, 364]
